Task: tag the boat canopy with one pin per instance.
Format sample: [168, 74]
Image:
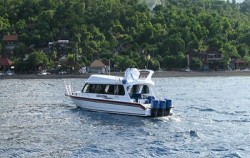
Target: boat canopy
[135, 76]
[132, 76]
[104, 79]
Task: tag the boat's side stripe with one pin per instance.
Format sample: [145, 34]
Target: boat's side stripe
[109, 102]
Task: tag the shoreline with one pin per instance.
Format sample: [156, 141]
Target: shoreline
[155, 75]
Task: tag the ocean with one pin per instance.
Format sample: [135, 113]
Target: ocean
[211, 118]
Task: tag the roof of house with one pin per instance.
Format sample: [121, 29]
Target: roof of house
[5, 62]
[239, 61]
[97, 64]
[10, 38]
[105, 62]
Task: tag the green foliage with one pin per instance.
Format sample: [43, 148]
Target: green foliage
[196, 64]
[169, 61]
[246, 39]
[229, 51]
[181, 60]
[247, 60]
[168, 30]
[71, 57]
[243, 50]
[20, 50]
[1, 49]
[4, 25]
[36, 59]
[21, 67]
[153, 64]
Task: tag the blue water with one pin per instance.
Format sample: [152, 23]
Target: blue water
[211, 119]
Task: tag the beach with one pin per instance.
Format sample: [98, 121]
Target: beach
[156, 74]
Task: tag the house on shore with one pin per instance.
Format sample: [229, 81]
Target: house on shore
[211, 59]
[237, 64]
[5, 64]
[62, 47]
[10, 42]
[99, 66]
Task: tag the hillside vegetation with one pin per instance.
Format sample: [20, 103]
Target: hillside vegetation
[132, 33]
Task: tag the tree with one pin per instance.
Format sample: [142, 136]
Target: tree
[4, 24]
[196, 63]
[153, 64]
[246, 39]
[243, 50]
[229, 51]
[169, 61]
[181, 60]
[245, 6]
[247, 60]
[124, 62]
[37, 58]
[20, 51]
[175, 44]
[162, 28]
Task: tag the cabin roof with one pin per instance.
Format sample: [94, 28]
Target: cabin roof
[107, 79]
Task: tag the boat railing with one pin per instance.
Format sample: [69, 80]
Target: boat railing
[69, 89]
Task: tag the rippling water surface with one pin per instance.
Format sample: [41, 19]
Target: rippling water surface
[211, 119]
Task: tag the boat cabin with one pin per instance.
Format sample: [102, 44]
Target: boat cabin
[129, 88]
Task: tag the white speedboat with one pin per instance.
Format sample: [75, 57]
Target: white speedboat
[130, 95]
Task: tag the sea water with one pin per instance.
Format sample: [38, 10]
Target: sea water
[211, 118]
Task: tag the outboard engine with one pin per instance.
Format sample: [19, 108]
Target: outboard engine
[154, 107]
[168, 106]
[161, 107]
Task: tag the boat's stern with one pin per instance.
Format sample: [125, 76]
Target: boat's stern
[157, 108]
[161, 107]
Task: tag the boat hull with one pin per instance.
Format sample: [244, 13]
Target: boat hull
[111, 106]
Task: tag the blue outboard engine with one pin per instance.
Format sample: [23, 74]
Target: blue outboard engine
[162, 108]
[168, 106]
[154, 107]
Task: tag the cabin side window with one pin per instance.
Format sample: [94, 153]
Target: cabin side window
[119, 90]
[89, 88]
[145, 89]
[133, 90]
[99, 88]
[104, 89]
[138, 89]
[86, 88]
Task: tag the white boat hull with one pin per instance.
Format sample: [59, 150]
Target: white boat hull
[110, 106]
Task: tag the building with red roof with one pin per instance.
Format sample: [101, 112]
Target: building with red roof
[9, 43]
[10, 38]
[5, 62]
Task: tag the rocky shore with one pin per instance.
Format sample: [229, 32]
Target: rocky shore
[156, 74]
